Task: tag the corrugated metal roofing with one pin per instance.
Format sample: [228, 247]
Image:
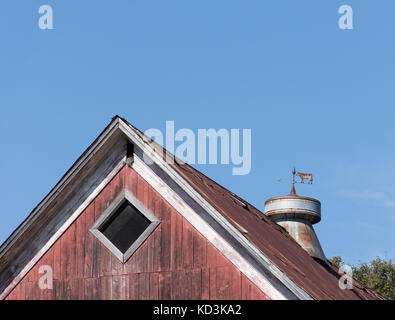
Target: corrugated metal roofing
[317, 279]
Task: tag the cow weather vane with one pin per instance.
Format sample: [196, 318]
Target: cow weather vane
[305, 178]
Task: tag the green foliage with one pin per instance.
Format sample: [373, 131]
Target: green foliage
[337, 261]
[378, 274]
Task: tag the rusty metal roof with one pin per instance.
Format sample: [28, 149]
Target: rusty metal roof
[317, 279]
[320, 281]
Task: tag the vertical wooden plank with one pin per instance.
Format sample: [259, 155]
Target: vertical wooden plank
[68, 263]
[67, 289]
[131, 180]
[125, 288]
[144, 285]
[186, 284]
[165, 286]
[80, 235]
[22, 290]
[43, 294]
[142, 251]
[235, 284]
[154, 202]
[88, 288]
[105, 261]
[152, 239]
[180, 285]
[105, 287]
[134, 287]
[32, 289]
[154, 286]
[75, 289]
[97, 289]
[140, 189]
[118, 183]
[176, 242]
[146, 200]
[131, 265]
[187, 245]
[116, 266]
[57, 269]
[89, 242]
[213, 283]
[150, 252]
[81, 289]
[97, 246]
[165, 242]
[199, 250]
[64, 255]
[141, 263]
[211, 259]
[245, 288]
[58, 289]
[156, 249]
[29, 293]
[196, 284]
[205, 284]
[223, 283]
[116, 293]
[103, 255]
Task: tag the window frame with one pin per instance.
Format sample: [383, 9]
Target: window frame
[125, 196]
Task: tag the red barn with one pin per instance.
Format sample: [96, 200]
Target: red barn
[118, 227]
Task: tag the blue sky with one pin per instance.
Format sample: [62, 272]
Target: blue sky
[315, 97]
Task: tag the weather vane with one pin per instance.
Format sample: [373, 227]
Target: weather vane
[305, 178]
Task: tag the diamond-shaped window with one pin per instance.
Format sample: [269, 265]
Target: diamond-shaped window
[124, 226]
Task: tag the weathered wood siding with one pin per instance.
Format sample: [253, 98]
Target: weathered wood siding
[175, 262]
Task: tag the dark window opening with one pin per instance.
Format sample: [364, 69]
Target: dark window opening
[125, 226]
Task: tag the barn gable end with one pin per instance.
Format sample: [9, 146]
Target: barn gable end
[120, 148]
[175, 261]
[203, 242]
